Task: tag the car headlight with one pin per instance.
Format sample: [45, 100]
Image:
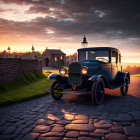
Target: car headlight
[84, 70]
[62, 71]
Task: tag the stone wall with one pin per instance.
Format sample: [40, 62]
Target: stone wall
[11, 68]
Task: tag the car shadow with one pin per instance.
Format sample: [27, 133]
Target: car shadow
[81, 104]
[81, 98]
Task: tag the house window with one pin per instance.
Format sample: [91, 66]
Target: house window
[55, 58]
[61, 57]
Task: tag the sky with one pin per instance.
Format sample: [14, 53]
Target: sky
[61, 24]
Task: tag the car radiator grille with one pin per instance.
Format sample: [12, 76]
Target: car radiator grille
[75, 76]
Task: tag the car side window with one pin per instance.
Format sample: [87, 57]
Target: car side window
[114, 57]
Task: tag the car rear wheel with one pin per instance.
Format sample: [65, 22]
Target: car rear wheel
[98, 90]
[56, 90]
[124, 89]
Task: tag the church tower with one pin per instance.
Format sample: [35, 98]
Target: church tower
[9, 49]
[33, 49]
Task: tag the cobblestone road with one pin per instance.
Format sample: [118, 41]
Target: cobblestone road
[43, 118]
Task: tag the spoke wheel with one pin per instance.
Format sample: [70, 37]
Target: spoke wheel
[124, 89]
[97, 94]
[55, 90]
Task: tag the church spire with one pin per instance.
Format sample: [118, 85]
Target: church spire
[9, 49]
[33, 49]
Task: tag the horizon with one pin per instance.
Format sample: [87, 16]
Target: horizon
[69, 52]
[29, 51]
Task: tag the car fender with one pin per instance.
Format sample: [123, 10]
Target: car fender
[120, 76]
[53, 76]
[96, 77]
[62, 80]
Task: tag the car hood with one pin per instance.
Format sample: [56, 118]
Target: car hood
[91, 63]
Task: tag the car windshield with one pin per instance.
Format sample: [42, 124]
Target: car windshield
[100, 55]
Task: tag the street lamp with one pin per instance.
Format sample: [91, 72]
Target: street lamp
[84, 43]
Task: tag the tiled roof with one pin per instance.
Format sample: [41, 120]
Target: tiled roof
[4, 52]
[55, 51]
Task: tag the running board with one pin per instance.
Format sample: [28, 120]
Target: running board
[115, 86]
[77, 91]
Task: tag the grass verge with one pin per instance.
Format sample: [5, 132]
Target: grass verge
[48, 72]
[27, 86]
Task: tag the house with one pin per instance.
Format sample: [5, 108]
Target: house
[53, 58]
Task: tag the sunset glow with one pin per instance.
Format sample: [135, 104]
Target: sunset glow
[61, 25]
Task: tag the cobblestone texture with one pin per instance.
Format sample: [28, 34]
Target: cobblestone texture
[43, 118]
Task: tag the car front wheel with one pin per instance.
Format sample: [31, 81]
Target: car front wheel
[55, 90]
[98, 90]
[124, 89]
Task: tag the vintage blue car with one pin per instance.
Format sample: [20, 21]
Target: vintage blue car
[97, 68]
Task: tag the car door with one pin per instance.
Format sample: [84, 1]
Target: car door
[114, 64]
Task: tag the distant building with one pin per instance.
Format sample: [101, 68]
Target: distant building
[71, 58]
[27, 55]
[33, 48]
[53, 58]
[5, 54]
[9, 49]
[31, 55]
[50, 57]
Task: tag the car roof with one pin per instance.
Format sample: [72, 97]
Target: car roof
[98, 48]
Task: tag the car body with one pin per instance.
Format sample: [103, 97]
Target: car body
[97, 68]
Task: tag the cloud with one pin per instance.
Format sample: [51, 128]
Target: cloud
[100, 19]
[118, 18]
[1, 10]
